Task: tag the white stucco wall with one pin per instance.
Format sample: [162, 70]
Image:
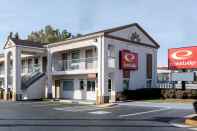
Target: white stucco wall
[137, 77]
[76, 93]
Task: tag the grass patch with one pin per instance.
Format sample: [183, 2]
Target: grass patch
[189, 101]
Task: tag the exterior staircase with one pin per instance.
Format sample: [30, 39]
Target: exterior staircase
[32, 84]
[28, 80]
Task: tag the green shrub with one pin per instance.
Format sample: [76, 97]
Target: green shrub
[179, 94]
[157, 93]
[194, 94]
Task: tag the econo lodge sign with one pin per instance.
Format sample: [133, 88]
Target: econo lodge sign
[128, 60]
[182, 58]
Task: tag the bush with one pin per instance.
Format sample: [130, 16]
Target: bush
[195, 106]
[194, 94]
[179, 94]
[156, 93]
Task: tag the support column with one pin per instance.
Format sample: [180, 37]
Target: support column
[53, 89]
[41, 63]
[6, 67]
[17, 93]
[48, 89]
[102, 77]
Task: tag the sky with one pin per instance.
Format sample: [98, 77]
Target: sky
[172, 23]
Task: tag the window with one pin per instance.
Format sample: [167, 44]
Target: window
[109, 85]
[23, 66]
[111, 51]
[90, 85]
[30, 65]
[68, 85]
[1, 68]
[36, 61]
[65, 61]
[81, 85]
[111, 56]
[125, 84]
[149, 66]
[1, 84]
[75, 56]
[89, 58]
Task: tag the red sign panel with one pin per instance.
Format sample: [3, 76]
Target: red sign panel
[128, 60]
[182, 58]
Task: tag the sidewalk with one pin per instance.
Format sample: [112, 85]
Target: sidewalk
[184, 106]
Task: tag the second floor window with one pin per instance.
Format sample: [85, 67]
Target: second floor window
[75, 56]
[111, 51]
[111, 56]
[149, 66]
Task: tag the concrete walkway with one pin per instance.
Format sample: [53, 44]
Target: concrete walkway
[183, 106]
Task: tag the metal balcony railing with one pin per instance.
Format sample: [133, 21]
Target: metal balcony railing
[75, 64]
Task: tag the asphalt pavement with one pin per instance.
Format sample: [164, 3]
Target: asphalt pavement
[131, 116]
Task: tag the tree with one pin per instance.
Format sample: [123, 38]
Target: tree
[49, 35]
[16, 35]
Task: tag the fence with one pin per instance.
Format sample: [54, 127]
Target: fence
[176, 85]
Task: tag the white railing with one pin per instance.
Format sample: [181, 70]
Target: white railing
[75, 64]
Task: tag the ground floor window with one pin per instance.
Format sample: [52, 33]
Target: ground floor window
[68, 85]
[91, 85]
[126, 84]
[81, 85]
[1, 84]
[148, 83]
[109, 85]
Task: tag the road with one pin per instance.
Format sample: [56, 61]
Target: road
[48, 116]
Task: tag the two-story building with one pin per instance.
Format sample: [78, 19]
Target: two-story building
[96, 66]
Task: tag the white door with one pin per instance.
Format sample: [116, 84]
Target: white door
[109, 88]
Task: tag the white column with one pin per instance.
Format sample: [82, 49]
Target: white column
[154, 70]
[41, 63]
[6, 78]
[115, 76]
[48, 89]
[53, 89]
[102, 90]
[26, 65]
[17, 73]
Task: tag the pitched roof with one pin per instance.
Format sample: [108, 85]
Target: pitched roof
[27, 43]
[86, 36]
[106, 31]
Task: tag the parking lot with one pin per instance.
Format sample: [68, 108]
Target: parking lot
[50, 116]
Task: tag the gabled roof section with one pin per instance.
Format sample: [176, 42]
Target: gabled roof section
[105, 33]
[149, 38]
[13, 42]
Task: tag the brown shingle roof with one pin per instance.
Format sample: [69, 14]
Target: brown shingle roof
[27, 43]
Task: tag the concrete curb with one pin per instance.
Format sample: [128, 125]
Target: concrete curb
[77, 102]
[190, 121]
[185, 122]
[106, 105]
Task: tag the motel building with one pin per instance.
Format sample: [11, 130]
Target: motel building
[94, 67]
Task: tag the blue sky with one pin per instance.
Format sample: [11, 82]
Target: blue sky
[172, 23]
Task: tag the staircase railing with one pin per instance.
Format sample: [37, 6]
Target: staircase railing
[30, 78]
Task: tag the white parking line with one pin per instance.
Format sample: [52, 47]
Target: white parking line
[99, 112]
[146, 112]
[77, 109]
[46, 104]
